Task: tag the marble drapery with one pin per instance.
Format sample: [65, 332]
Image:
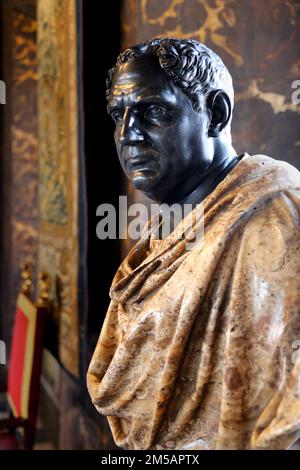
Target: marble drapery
[196, 351]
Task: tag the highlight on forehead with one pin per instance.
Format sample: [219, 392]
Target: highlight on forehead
[141, 77]
[144, 94]
[121, 88]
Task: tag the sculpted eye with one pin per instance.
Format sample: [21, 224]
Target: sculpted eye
[156, 112]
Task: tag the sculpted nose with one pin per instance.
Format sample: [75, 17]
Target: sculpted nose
[130, 132]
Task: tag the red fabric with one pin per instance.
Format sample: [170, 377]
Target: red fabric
[17, 361]
[8, 442]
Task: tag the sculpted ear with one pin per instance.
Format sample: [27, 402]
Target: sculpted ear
[219, 107]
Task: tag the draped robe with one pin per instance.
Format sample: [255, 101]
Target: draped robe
[198, 349]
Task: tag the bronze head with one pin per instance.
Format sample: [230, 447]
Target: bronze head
[172, 102]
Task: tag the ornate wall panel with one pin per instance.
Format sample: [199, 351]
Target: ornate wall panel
[59, 157]
[260, 43]
[20, 164]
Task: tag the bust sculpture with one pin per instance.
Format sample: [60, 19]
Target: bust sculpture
[197, 350]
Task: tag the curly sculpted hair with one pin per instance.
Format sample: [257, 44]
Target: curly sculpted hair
[192, 66]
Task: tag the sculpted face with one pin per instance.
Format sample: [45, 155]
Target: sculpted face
[162, 143]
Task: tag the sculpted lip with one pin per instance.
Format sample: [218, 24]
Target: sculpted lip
[141, 163]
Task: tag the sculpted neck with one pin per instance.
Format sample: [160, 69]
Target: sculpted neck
[222, 163]
[224, 160]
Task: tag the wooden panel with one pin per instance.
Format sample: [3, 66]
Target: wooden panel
[19, 179]
[59, 157]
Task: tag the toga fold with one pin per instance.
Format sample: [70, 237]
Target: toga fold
[199, 347]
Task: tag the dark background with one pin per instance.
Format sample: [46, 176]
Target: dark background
[103, 175]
